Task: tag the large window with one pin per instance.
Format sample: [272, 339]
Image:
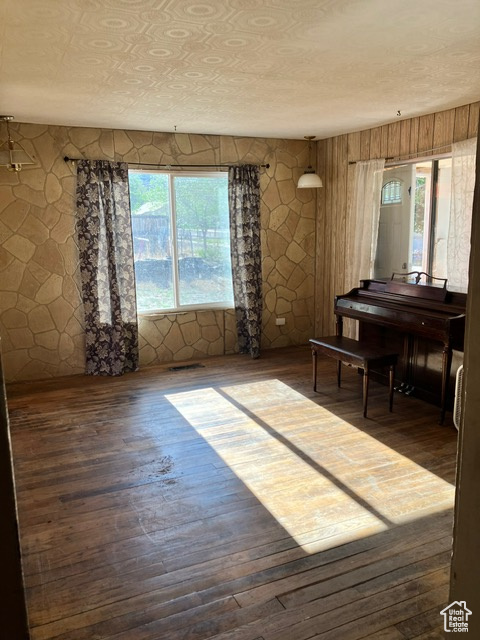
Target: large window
[181, 238]
[413, 228]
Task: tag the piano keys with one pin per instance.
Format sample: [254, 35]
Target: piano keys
[425, 322]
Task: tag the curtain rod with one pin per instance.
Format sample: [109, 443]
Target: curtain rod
[169, 166]
[407, 156]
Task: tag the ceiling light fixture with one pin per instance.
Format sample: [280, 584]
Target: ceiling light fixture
[12, 156]
[309, 180]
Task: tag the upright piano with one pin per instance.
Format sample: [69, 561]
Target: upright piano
[425, 323]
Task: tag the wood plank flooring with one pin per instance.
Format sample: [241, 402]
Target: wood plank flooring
[230, 502]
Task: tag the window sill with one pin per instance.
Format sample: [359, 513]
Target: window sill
[151, 315]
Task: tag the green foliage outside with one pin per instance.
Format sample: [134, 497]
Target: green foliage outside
[420, 193]
[147, 188]
[201, 205]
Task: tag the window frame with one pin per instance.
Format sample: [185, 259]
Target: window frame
[431, 221]
[207, 306]
[433, 199]
[388, 203]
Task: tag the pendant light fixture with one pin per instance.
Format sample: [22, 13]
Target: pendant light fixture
[12, 156]
[309, 180]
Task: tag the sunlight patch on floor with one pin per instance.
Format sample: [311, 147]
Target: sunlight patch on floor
[319, 476]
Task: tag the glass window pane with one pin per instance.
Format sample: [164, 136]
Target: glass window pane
[152, 243]
[203, 239]
[426, 199]
[392, 192]
[421, 217]
[395, 221]
[180, 226]
[444, 189]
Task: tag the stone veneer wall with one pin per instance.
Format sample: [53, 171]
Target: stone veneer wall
[41, 315]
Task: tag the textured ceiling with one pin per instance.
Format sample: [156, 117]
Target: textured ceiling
[276, 68]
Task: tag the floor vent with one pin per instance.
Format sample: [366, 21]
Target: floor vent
[183, 367]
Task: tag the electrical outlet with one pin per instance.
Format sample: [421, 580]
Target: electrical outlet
[280, 321]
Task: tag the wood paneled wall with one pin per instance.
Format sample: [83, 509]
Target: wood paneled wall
[415, 137]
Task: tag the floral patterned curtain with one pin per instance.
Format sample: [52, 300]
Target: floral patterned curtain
[244, 204]
[107, 268]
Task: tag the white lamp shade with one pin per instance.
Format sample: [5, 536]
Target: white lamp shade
[309, 180]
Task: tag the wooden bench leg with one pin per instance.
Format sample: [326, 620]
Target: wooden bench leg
[365, 389]
[314, 363]
[391, 379]
[339, 372]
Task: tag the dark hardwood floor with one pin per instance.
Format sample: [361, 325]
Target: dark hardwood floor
[230, 502]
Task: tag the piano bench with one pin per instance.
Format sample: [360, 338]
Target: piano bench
[360, 355]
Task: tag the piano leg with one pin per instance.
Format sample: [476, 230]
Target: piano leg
[339, 332]
[339, 325]
[391, 377]
[408, 357]
[406, 386]
[446, 367]
[365, 389]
